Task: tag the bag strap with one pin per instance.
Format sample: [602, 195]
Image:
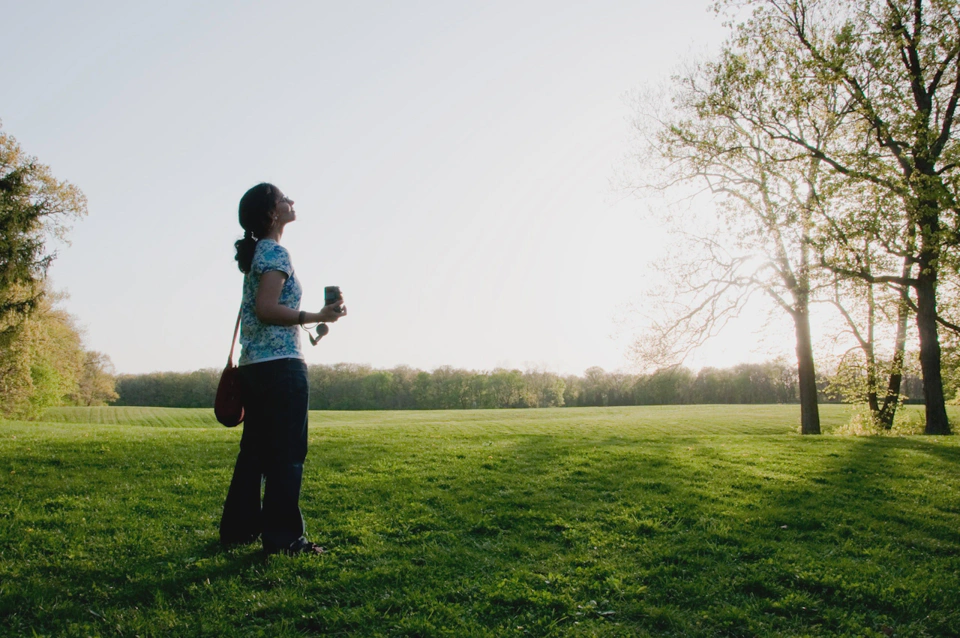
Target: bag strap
[233, 343]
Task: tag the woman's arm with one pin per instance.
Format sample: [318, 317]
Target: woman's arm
[269, 310]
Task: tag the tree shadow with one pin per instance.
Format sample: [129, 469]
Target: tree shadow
[835, 532]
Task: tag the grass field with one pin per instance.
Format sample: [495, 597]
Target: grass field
[661, 521]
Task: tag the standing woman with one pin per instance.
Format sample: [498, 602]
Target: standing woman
[274, 381]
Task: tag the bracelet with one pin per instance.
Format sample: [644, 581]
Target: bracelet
[303, 315]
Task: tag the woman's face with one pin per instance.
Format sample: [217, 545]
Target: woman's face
[283, 213]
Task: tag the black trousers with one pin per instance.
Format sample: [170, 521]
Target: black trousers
[272, 450]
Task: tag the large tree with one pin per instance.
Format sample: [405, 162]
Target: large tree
[764, 192]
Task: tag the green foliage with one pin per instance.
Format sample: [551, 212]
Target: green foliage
[169, 389]
[908, 421]
[49, 386]
[951, 365]
[97, 384]
[661, 521]
[850, 382]
[41, 362]
[34, 207]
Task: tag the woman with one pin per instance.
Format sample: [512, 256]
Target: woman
[274, 381]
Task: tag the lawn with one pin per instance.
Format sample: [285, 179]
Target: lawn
[660, 521]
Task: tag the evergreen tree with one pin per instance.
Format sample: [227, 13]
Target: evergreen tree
[34, 208]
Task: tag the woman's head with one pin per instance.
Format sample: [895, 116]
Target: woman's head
[261, 208]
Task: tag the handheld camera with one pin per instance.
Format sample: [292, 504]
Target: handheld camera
[331, 294]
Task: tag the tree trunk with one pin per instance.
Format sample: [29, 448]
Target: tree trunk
[868, 347]
[891, 401]
[809, 411]
[936, 410]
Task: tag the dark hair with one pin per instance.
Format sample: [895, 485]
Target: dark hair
[255, 208]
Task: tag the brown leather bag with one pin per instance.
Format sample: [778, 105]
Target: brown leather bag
[228, 405]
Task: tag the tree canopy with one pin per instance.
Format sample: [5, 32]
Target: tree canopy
[35, 207]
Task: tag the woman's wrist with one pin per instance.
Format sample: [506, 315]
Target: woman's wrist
[309, 317]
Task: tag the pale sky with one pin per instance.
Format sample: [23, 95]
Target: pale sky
[450, 163]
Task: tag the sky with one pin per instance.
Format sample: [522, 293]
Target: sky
[453, 167]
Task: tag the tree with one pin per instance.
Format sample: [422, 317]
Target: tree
[670, 386]
[572, 390]
[452, 388]
[894, 64]
[43, 365]
[545, 388]
[97, 383]
[595, 387]
[506, 388]
[862, 379]
[34, 207]
[40, 353]
[765, 193]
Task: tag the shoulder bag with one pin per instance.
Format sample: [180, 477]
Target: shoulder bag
[228, 405]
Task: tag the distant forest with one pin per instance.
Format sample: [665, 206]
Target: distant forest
[358, 387]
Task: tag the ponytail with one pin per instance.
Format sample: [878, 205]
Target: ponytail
[245, 249]
[255, 208]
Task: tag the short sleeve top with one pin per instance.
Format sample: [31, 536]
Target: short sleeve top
[260, 341]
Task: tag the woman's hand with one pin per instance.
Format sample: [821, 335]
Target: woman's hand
[330, 313]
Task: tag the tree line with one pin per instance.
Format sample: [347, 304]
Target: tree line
[359, 387]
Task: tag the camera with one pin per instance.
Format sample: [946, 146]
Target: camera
[332, 294]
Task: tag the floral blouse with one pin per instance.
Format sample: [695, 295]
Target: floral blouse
[260, 341]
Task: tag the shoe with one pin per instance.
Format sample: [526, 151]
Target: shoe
[298, 547]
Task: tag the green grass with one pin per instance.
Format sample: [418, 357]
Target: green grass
[673, 521]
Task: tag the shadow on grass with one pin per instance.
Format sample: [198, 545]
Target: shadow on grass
[827, 534]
